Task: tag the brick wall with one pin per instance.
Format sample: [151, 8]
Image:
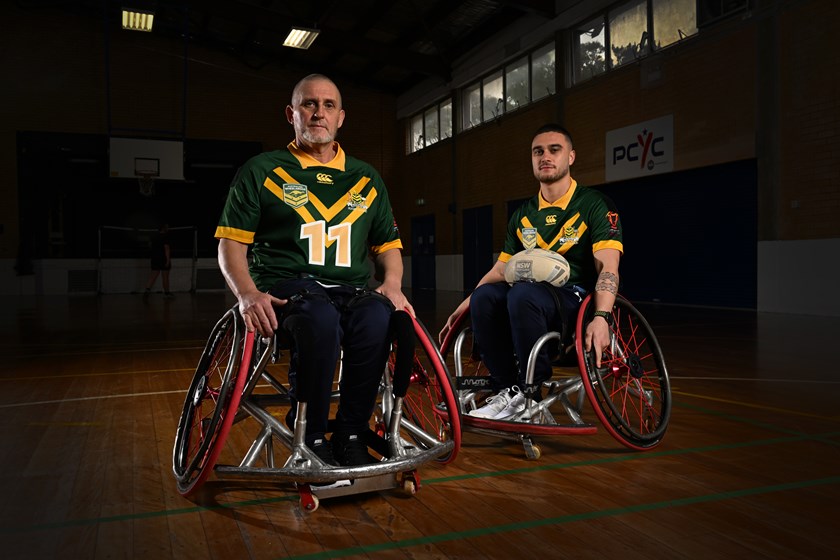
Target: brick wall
[809, 135]
[736, 92]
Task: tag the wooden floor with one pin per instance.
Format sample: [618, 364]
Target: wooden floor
[91, 389]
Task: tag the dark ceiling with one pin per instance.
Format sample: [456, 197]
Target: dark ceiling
[390, 45]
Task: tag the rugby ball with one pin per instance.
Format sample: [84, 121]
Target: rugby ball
[537, 265]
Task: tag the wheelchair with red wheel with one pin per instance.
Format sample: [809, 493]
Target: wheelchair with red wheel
[630, 393]
[236, 383]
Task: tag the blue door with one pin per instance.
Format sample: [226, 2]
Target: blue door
[423, 252]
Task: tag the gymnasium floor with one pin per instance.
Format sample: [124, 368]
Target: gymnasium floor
[91, 389]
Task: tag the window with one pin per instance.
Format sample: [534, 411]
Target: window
[492, 98]
[430, 126]
[472, 106]
[446, 120]
[632, 30]
[590, 49]
[517, 85]
[673, 20]
[542, 72]
[628, 29]
[416, 142]
[526, 79]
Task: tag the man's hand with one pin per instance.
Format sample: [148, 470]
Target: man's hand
[598, 337]
[462, 307]
[394, 293]
[257, 309]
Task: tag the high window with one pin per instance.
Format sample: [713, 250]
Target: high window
[629, 31]
[430, 126]
[515, 85]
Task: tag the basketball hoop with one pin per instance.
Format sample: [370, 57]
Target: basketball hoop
[146, 169]
[147, 184]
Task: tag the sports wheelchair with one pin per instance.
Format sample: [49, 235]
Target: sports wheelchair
[630, 393]
[416, 418]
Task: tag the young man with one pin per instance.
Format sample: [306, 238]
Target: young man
[312, 215]
[583, 226]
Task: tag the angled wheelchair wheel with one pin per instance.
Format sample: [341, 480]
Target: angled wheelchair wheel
[211, 402]
[630, 392]
[430, 402]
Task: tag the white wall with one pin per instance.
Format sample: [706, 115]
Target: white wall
[793, 276]
[115, 276]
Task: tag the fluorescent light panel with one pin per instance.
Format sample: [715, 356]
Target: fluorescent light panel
[300, 38]
[137, 20]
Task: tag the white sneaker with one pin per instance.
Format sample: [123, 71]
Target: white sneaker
[514, 407]
[493, 405]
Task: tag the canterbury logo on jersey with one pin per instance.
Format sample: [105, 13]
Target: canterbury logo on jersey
[324, 178]
[551, 219]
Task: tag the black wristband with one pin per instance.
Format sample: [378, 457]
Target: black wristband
[606, 315]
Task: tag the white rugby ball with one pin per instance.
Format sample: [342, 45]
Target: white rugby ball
[537, 265]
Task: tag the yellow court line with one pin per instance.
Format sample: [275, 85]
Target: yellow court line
[757, 406]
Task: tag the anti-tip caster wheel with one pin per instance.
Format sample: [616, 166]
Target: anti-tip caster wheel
[308, 501]
[410, 484]
[532, 450]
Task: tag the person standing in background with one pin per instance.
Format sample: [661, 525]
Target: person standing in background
[161, 263]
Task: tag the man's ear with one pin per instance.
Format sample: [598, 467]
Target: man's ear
[290, 114]
[571, 157]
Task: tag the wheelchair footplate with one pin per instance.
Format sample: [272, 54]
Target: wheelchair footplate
[314, 479]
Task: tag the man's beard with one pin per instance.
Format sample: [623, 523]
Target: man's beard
[546, 177]
[322, 136]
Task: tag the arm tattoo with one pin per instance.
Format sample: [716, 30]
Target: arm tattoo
[607, 282]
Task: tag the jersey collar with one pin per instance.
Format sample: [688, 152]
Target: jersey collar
[562, 202]
[305, 160]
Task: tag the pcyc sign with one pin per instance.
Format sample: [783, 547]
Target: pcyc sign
[640, 149]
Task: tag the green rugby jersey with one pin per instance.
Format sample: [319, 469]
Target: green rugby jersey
[304, 216]
[576, 225]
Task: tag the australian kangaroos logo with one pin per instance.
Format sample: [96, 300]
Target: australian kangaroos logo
[529, 237]
[295, 195]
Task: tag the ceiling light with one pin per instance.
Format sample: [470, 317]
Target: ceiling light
[300, 38]
[137, 20]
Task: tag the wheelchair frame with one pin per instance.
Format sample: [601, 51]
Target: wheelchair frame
[416, 420]
[630, 393]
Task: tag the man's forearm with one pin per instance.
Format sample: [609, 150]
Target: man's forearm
[233, 261]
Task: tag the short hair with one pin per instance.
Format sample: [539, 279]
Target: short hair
[312, 77]
[554, 127]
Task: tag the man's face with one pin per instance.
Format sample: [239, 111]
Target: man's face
[551, 156]
[316, 112]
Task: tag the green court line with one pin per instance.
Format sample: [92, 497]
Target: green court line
[524, 470]
[145, 515]
[572, 518]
